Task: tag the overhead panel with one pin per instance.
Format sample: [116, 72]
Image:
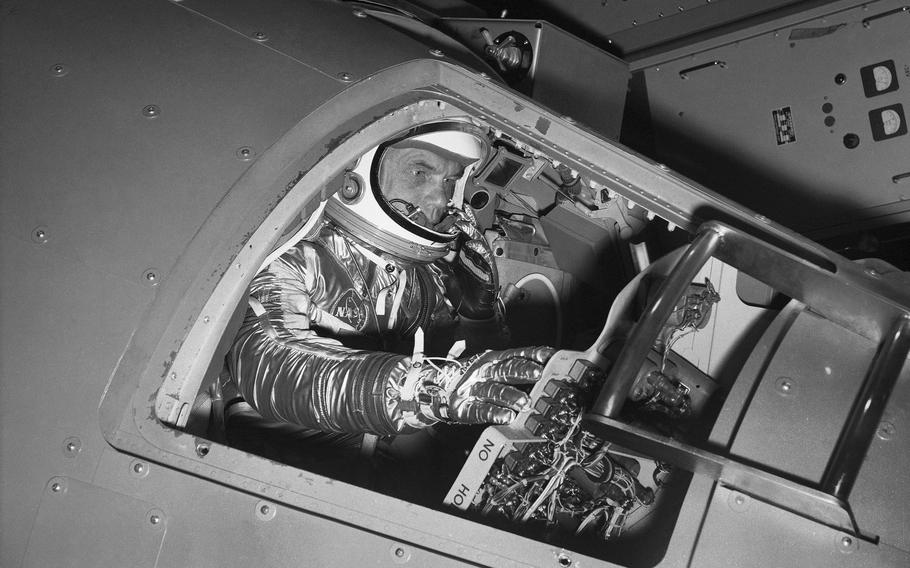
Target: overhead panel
[632, 26]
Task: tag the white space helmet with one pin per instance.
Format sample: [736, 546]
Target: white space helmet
[361, 208]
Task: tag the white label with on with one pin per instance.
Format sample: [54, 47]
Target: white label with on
[486, 451]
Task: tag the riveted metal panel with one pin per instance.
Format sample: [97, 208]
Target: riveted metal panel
[63, 327]
[802, 402]
[882, 482]
[141, 127]
[334, 37]
[768, 118]
[75, 519]
[744, 532]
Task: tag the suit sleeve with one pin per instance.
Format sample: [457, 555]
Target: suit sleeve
[287, 363]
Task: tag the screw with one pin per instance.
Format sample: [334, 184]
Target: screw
[151, 111]
[202, 449]
[58, 70]
[886, 430]
[345, 76]
[260, 36]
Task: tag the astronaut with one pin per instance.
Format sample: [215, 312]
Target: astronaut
[347, 331]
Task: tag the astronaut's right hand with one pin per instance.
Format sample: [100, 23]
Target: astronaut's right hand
[477, 390]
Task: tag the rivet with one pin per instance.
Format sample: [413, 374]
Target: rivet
[260, 36]
[59, 70]
[40, 235]
[345, 76]
[56, 487]
[139, 469]
[885, 430]
[202, 449]
[151, 111]
[154, 519]
[785, 386]
[846, 544]
[399, 554]
[738, 502]
[71, 447]
[265, 511]
[151, 276]
[245, 153]
[437, 53]
[206, 319]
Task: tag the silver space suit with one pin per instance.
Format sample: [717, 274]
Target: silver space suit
[342, 328]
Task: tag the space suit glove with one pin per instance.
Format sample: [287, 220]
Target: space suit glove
[472, 283]
[477, 390]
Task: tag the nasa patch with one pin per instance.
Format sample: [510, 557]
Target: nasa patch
[350, 309]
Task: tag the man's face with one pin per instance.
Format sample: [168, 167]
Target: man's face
[421, 178]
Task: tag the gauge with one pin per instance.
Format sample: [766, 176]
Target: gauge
[891, 122]
[883, 77]
[888, 122]
[879, 78]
